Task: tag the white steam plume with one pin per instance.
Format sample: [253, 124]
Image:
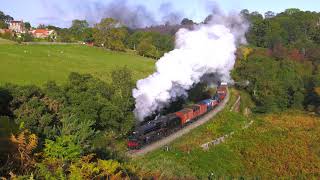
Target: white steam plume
[209, 48]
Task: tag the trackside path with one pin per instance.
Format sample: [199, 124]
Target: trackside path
[185, 130]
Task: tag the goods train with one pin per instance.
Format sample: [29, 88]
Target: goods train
[165, 125]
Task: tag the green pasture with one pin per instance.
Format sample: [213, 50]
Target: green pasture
[36, 64]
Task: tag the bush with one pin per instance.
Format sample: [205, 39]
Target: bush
[274, 85]
[63, 148]
[145, 48]
[82, 108]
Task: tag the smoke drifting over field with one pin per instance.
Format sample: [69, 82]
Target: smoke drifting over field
[208, 49]
[131, 15]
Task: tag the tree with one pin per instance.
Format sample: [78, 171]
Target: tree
[81, 130]
[187, 21]
[245, 13]
[274, 34]
[316, 35]
[41, 26]
[145, 48]
[245, 52]
[3, 25]
[85, 112]
[208, 19]
[64, 35]
[295, 55]
[255, 15]
[162, 43]
[53, 27]
[27, 25]
[8, 19]
[4, 20]
[26, 37]
[110, 34]
[291, 11]
[279, 52]
[79, 25]
[279, 87]
[35, 111]
[269, 14]
[88, 35]
[257, 32]
[2, 16]
[5, 98]
[78, 29]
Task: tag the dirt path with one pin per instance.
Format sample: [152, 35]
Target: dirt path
[236, 105]
[180, 133]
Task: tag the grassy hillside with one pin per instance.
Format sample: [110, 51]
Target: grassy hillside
[5, 41]
[284, 144]
[25, 64]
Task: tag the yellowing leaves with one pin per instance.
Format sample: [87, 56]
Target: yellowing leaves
[317, 90]
[88, 168]
[25, 143]
[245, 51]
[289, 121]
[110, 168]
[284, 146]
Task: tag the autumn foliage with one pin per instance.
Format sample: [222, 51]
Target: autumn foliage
[284, 145]
[25, 143]
[317, 90]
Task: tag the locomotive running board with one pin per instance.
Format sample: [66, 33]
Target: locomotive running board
[167, 140]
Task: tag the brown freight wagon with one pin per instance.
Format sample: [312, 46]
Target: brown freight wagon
[186, 115]
[198, 110]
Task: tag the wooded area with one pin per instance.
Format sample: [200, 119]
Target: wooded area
[76, 130]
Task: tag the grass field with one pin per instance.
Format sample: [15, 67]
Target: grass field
[4, 41]
[280, 145]
[25, 64]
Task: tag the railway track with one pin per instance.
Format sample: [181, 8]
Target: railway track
[167, 140]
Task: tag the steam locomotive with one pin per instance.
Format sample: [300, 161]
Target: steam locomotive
[165, 125]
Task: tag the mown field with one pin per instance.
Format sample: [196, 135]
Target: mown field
[278, 145]
[4, 41]
[36, 64]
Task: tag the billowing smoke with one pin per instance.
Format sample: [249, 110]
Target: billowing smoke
[133, 16]
[207, 49]
[130, 14]
[169, 15]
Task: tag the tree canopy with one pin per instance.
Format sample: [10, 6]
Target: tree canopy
[4, 20]
[110, 34]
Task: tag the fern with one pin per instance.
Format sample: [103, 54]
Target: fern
[25, 144]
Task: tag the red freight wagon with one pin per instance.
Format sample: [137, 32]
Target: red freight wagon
[185, 115]
[203, 109]
[198, 109]
[195, 109]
